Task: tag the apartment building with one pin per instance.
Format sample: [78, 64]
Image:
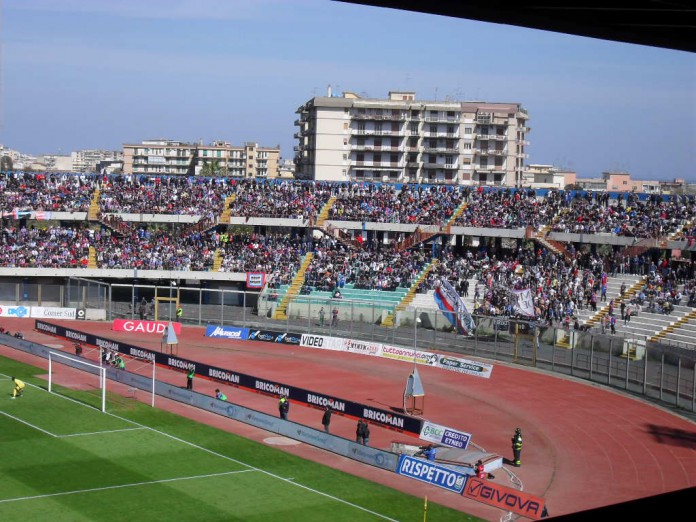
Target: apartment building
[87, 160]
[167, 157]
[401, 139]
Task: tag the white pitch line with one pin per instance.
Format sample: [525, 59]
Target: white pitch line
[97, 432]
[268, 473]
[134, 484]
[27, 424]
[254, 468]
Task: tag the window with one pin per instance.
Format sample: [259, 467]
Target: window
[378, 128]
[361, 142]
[377, 158]
[413, 128]
[468, 130]
[345, 125]
[395, 126]
[394, 159]
[467, 146]
[433, 129]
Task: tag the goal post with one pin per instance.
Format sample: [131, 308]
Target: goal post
[137, 373]
[58, 360]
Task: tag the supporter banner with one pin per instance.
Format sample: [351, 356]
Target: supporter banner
[384, 418]
[363, 347]
[14, 311]
[407, 354]
[255, 279]
[523, 304]
[453, 307]
[431, 473]
[322, 341]
[140, 326]
[226, 332]
[49, 312]
[476, 368]
[443, 435]
[505, 498]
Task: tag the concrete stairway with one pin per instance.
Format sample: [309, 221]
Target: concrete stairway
[92, 260]
[94, 211]
[682, 331]
[226, 214]
[410, 295]
[295, 287]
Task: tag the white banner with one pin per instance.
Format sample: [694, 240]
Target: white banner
[323, 342]
[49, 312]
[362, 347]
[409, 355]
[524, 303]
[444, 435]
[14, 311]
[455, 364]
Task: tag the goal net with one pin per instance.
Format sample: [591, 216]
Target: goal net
[77, 378]
[132, 376]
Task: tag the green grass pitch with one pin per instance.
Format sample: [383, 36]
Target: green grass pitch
[61, 459]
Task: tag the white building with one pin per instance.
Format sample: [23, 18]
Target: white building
[400, 139]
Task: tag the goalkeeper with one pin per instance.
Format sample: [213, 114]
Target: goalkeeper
[18, 389]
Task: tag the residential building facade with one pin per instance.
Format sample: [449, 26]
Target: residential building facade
[168, 157]
[401, 139]
[87, 160]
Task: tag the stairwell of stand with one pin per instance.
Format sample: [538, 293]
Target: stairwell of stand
[217, 260]
[92, 259]
[294, 289]
[93, 211]
[389, 320]
[324, 214]
[227, 212]
[674, 326]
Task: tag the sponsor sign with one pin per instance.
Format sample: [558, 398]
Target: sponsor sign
[322, 341]
[255, 279]
[226, 332]
[408, 354]
[443, 435]
[138, 326]
[476, 368]
[268, 336]
[81, 314]
[431, 473]
[505, 498]
[50, 312]
[14, 311]
[363, 347]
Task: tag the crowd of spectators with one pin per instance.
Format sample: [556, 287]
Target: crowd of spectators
[278, 255]
[167, 195]
[53, 247]
[287, 199]
[45, 192]
[385, 204]
[147, 249]
[623, 214]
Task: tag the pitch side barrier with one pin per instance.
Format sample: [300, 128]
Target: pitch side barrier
[387, 419]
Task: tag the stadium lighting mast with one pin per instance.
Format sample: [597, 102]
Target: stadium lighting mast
[171, 285]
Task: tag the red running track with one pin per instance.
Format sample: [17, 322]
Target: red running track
[585, 446]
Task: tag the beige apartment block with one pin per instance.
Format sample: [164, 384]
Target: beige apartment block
[167, 157]
[403, 140]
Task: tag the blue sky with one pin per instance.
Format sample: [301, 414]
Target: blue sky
[81, 74]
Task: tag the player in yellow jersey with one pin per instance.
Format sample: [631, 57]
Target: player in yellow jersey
[18, 389]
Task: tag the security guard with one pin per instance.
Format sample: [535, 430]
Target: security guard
[179, 312]
[517, 448]
[283, 407]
